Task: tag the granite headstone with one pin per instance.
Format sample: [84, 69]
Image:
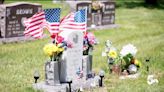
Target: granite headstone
[12, 17]
[86, 5]
[108, 15]
[71, 64]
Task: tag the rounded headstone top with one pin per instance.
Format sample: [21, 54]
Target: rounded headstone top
[18, 3]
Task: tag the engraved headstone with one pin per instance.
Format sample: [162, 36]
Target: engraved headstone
[86, 5]
[71, 64]
[103, 16]
[108, 15]
[12, 17]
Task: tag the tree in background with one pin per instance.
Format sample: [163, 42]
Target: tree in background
[152, 2]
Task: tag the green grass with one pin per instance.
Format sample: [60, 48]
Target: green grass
[143, 27]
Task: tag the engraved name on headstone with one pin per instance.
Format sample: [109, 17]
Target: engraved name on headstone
[108, 15]
[13, 15]
[71, 63]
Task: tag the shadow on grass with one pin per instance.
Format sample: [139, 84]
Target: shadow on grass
[132, 4]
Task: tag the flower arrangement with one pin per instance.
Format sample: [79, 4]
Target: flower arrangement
[126, 58]
[128, 53]
[55, 49]
[89, 42]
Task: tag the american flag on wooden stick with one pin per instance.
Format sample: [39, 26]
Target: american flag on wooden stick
[74, 21]
[48, 18]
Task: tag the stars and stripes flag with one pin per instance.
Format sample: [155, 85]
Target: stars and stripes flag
[34, 25]
[48, 18]
[53, 19]
[74, 21]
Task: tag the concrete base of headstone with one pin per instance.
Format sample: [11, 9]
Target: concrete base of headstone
[47, 88]
[18, 39]
[131, 76]
[85, 84]
[14, 39]
[103, 27]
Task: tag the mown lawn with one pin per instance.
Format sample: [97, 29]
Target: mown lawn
[141, 26]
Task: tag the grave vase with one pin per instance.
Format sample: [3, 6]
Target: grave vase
[52, 73]
[116, 69]
[87, 65]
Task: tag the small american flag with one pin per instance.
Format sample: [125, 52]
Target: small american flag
[48, 18]
[53, 18]
[74, 21]
[33, 25]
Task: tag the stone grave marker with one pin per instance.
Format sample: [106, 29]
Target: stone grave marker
[108, 15]
[12, 17]
[71, 63]
[84, 5]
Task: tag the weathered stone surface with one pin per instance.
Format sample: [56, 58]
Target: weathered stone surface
[103, 27]
[52, 73]
[48, 88]
[71, 63]
[85, 84]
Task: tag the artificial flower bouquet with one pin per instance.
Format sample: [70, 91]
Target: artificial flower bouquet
[131, 64]
[55, 49]
[89, 41]
[125, 59]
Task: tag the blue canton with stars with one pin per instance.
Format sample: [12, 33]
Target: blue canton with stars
[52, 15]
[80, 16]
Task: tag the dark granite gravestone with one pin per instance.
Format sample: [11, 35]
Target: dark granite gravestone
[103, 16]
[2, 1]
[85, 5]
[108, 14]
[12, 17]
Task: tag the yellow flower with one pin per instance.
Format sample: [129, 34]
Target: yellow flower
[50, 49]
[60, 50]
[112, 54]
[137, 63]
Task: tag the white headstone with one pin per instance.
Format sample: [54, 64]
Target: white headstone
[72, 58]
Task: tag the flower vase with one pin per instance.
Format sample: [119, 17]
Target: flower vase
[87, 65]
[116, 69]
[52, 73]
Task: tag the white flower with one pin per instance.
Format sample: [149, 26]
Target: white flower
[128, 49]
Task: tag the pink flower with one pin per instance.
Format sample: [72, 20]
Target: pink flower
[91, 38]
[59, 39]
